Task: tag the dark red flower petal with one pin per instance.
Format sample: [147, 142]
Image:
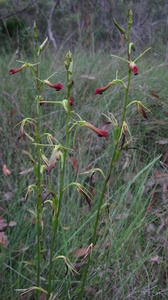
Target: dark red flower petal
[71, 101]
[99, 91]
[99, 132]
[16, 70]
[58, 86]
[103, 133]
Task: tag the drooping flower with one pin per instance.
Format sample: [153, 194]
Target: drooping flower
[125, 131]
[57, 87]
[125, 127]
[3, 240]
[133, 67]
[55, 156]
[16, 70]
[101, 90]
[71, 101]
[6, 171]
[142, 111]
[99, 132]
[74, 163]
[84, 194]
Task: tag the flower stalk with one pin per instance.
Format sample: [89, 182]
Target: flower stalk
[57, 202]
[37, 166]
[114, 159]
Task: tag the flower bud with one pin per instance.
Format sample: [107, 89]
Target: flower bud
[68, 62]
[133, 67]
[71, 101]
[43, 45]
[129, 18]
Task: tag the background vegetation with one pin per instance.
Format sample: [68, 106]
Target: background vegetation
[131, 258]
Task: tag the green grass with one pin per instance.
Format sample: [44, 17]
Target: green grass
[124, 269]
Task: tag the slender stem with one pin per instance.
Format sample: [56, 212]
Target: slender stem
[56, 216]
[38, 165]
[115, 157]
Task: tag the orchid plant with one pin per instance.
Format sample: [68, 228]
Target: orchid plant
[44, 165]
[120, 129]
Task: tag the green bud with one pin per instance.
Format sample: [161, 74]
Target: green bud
[43, 45]
[68, 62]
[35, 30]
[65, 104]
[129, 18]
[131, 47]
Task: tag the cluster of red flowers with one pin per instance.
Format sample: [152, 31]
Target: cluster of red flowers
[58, 87]
[134, 69]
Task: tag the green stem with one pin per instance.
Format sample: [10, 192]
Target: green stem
[38, 166]
[115, 157]
[39, 207]
[56, 216]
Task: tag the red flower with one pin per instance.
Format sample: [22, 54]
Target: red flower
[102, 89]
[99, 91]
[58, 86]
[99, 132]
[71, 101]
[13, 71]
[133, 67]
